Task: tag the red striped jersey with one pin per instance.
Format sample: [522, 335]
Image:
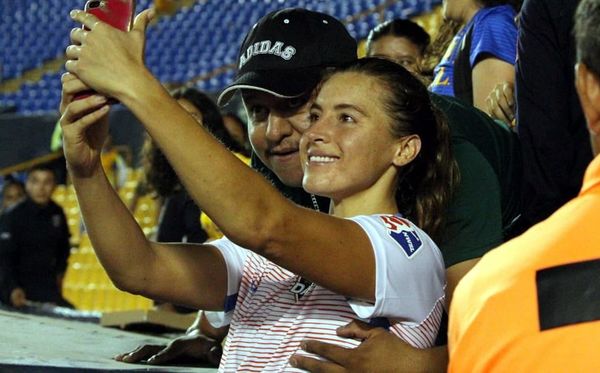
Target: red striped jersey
[271, 310]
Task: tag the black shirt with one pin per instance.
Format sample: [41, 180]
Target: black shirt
[34, 247]
[179, 219]
[551, 125]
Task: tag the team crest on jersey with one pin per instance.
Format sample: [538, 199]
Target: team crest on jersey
[403, 233]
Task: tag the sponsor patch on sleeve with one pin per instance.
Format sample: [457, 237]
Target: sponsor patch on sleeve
[403, 233]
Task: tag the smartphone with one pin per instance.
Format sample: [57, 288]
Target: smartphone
[118, 14]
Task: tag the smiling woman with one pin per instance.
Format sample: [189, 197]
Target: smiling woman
[395, 126]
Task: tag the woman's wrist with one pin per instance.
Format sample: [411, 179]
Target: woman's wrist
[138, 92]
[93, 172]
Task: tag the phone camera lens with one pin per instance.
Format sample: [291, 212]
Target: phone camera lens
[94, 4]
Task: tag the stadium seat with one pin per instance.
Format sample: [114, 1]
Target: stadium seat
[189, 44]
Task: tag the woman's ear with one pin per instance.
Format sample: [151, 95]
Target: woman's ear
[407, 150]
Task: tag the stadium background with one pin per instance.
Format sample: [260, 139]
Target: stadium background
[192, 42]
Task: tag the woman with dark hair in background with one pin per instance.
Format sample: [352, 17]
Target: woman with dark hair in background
[239, 132]
[401, 40]
[179, 219]
[482, 54]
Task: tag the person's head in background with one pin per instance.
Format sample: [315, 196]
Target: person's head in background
[13, 192]
[374, 129]
[587, 38]
[40, 184]
[462, 11]
[158, 173]
[399, 40]
[280, 63]
[238, 130]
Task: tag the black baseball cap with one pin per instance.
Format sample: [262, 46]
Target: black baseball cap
[285, 52]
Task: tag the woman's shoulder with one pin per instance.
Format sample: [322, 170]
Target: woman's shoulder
[500, 13]
[385, 221]
[395, 229]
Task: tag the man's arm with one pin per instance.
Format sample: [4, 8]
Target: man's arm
[198, 346]
[380, 351]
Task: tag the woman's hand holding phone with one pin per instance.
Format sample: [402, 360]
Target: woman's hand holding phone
[106, 59]
[117, 13]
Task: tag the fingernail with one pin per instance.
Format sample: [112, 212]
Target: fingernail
[99, 99]
[293, 361]
[73, 13]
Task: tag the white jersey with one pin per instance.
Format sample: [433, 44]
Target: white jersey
[271, 310]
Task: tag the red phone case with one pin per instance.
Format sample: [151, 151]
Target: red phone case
[117, 13]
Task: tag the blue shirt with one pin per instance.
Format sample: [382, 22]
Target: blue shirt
[494, 33]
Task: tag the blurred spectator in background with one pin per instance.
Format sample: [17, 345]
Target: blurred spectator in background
[13, 192]
[179, 219]
[34, 245]
[114, 164]
[482, 54]
[400, 40]
[238, 131]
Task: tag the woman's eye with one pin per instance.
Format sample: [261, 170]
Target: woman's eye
[313, 117]
[346, 118]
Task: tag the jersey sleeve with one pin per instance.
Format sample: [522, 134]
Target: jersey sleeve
[410, 274]
[235, 257]
[495, 33]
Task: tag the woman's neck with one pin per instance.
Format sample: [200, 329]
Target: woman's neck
[380, 198]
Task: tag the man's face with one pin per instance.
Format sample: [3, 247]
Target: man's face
[275, 126]
[40, 185]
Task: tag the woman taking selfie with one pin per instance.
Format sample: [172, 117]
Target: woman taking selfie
[283, 273]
